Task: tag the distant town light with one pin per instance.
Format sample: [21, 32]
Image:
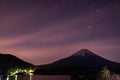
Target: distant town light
[18, 71]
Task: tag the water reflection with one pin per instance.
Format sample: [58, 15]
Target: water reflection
[40, 77]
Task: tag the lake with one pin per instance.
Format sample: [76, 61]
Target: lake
[39, 77]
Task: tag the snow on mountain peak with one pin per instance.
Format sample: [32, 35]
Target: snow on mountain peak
[83, 53]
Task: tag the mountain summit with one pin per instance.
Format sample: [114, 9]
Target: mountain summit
[84, 58]
[83, 53]
[81, 62]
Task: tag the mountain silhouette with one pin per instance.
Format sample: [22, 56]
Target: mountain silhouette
[8, 61]
[81, 62]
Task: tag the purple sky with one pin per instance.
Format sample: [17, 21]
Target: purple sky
[42, 31]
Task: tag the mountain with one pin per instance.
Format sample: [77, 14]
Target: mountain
[8, 61]
[81, 62]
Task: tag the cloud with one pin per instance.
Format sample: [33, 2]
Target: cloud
[54, 52]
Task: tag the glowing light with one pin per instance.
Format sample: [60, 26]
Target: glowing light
[7, 78]
[15, 72]
[16, 76]
[31, 73]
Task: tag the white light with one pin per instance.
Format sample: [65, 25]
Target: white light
[16, 76]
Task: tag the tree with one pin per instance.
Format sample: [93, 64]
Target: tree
[104, 74]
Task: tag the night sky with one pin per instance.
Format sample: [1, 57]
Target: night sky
[42, 31]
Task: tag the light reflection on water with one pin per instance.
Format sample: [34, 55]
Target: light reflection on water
[39, 77]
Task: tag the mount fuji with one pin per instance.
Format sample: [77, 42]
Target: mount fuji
[81, 62]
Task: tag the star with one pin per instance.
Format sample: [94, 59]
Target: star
[97, 10]
[90, 30]
[90, 27]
